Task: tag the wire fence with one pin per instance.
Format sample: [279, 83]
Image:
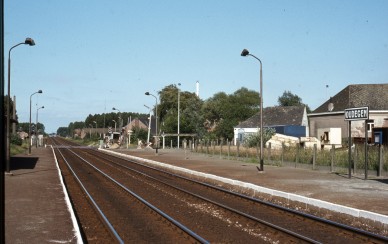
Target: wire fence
[335, 160]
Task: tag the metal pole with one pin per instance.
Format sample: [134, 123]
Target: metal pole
[244, 53]
[366, 149]
[178, 113]
[36, 129]
[261, 114]
[30, 42]
[29, 130]
[8, 126]
[261, 117]
[156, 118]
[350, 149]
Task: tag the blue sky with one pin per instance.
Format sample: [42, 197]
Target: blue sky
[91, 56]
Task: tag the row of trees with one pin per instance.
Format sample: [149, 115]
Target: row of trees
[209, 119]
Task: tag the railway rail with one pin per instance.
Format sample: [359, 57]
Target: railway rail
[206, 212]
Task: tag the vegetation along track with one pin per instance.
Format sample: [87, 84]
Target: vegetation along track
[213, 213]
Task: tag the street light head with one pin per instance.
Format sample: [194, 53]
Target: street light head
[113, 108]
[244, 53]
[40, 91]
[147, 93]
[29, 41]
[42, 107]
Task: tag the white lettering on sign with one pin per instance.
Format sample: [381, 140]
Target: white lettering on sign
[357, 113]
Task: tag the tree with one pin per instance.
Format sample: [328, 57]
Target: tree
[139, 134]
[222, 112]
[190, 111]
[290, 99]
[63, 131]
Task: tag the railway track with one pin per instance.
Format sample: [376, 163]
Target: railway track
[210, 213]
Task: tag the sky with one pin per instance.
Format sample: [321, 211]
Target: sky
[91, 56]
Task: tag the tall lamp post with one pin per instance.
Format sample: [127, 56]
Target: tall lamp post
[30, 42]
[120, 119]
[179, 94]
[245, 53]
[149, 125]
[37, 125]
[29, 127]
[115, 123]
[90, 131]
[156, 119]
[96, 126]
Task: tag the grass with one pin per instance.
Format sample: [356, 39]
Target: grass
[302, 155]
[16, 149]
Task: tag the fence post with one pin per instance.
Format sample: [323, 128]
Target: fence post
[238, 149]
[283, 146]
[314, 155]
[269, 151]
[207, 147]
[297, 154]
[355, 156]
[332, 158]
[227, 142]
[222, 143]
[214, 147]
[380, 171]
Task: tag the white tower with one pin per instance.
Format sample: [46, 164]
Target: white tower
[197, 89]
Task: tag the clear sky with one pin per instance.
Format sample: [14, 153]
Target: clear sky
[91, 56]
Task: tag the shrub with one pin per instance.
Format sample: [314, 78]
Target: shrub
[16, 140]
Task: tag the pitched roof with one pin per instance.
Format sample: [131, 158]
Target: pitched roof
[375, 96]
[276, 116]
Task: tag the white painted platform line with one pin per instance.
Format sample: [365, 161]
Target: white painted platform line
[76, 229]
[289, 196]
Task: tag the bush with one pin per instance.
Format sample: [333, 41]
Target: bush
[252, 140]
[16, 140]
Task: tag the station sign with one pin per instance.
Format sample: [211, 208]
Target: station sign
[361, 113]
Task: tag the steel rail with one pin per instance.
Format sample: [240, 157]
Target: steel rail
[105, 220]
[170, 219]
[235, 211]
[292, 211]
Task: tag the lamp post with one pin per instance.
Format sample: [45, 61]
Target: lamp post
[245, 53]
[149, 125]
[120, 119]
[156, 119]
[90, 131]
[30, 42]
[37, 125]
[179, 94]
[115, 123]
[29, 127]
[96, 126]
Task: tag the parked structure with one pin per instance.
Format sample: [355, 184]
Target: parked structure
[330, 116]
[289, 121]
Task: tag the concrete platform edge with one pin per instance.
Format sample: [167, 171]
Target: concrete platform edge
[76, 229]
[289, 196]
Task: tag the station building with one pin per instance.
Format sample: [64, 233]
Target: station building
[330, 116]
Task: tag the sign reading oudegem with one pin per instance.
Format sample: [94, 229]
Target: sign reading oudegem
[361, 113]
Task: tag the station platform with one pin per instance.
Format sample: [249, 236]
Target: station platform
[36, 205]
